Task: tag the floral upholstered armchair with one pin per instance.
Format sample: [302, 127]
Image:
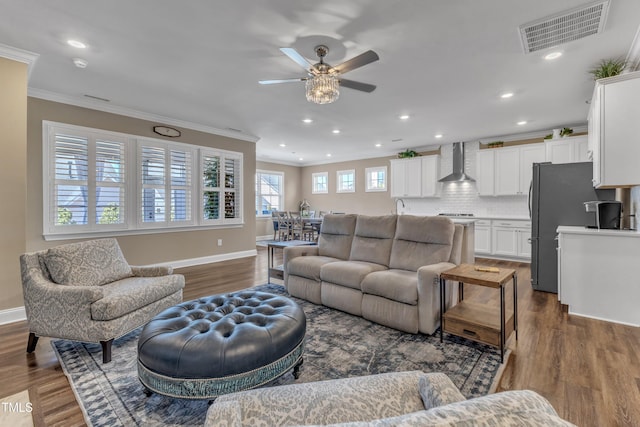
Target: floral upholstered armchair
[88, 292]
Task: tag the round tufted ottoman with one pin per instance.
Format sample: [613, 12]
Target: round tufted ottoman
[220, 344]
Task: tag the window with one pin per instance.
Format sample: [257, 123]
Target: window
[269, 192]
[376, 178]
[320, 183]
[346, 181]
[97, 181]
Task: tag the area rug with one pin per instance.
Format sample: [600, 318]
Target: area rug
[337, 345]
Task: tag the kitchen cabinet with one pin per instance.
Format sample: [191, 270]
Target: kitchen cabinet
[511, 238]
[513, 168]
[406, 177]
[567, 150]
[483, 237]
[430, 175]
[485, 172]
[614, 130]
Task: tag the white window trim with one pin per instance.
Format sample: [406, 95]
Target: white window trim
[368, 171]
[313, 182]
[281, 174]
[133, 224]
[339, 174]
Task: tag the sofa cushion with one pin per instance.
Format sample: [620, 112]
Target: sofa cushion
[336, 235]
[348, 273]
[89, 263]
[421, 241]
[396, 285]
[308, 266]
[373, 238]
[130, 294]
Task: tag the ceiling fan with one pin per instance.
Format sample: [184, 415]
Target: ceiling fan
[323, 81]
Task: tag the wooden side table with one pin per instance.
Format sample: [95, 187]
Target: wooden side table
[474, 321]
[278, 271]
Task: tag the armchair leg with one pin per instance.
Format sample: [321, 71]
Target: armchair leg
[106, 350]
[33, 341]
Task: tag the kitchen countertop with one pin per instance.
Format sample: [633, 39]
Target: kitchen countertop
[596, 232]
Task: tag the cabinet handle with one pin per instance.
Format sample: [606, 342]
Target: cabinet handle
[468, 332]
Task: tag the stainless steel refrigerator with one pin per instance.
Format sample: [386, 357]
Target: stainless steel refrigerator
[556, 197]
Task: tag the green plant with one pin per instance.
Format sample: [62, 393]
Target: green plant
[566, 131]
[608, 68]
[548, 136]
[495, 144]
[110, 214]
[407, 153]
[65, 217]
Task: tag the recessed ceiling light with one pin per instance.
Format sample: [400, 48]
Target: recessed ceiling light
[523, 122]
[307, 120]
[336, 131]
[506, 95]
[404, 117]
[553, 55]
[438, 135]
[283, 145]
[76, 43]
[378, 145]
[300, 158]
[328, 154]
[80, 63]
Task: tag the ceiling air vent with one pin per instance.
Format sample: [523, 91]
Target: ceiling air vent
[564, 27]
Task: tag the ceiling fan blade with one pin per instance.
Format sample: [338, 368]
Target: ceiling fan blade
[271, 82]
[297, 58]
[357, 62]
[364, 87]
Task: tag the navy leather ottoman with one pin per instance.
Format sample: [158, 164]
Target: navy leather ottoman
[220, 344]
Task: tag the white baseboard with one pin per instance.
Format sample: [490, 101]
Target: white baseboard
[265, 237]
[17, 314]
[209, 259]
[11, 315]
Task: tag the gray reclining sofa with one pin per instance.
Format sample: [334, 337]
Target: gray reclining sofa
[383, 268]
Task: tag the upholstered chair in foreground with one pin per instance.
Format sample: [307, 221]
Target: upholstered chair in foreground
[88, 292]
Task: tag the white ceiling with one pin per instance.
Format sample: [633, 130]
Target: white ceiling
[444, 63]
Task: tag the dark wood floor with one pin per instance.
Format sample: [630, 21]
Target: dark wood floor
[588, 369]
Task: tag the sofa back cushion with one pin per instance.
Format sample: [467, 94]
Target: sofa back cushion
[373, 239]
[421, 240]
[90, 263]
[336, 235]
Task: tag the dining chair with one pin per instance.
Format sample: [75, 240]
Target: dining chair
[297, 225]
[284, 225]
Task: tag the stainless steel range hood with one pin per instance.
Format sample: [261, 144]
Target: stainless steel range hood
[458, 174]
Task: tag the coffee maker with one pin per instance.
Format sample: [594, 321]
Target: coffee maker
[608, 213]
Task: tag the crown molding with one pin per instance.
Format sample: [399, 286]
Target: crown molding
[19, 55]
[129, 112]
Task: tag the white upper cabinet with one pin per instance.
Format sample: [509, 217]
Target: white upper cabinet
[406, 177]
[567, 150]
[485, 172]
[430, 176]
[614, 131]
[529, 154]
[507, 178]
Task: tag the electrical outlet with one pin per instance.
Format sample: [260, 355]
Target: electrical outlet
[219, 242]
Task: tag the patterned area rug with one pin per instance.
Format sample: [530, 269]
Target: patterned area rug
[337, 345]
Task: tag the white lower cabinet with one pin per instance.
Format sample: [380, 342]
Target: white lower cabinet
[483, 237]
[504, 239]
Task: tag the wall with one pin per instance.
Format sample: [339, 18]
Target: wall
[463, 197]
[13, 178]
[361, 202]
[292, 194]
[148, 248]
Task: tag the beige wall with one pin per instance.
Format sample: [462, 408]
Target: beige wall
[292, 193]
[361, 202]
[13, 181]
[148, 248]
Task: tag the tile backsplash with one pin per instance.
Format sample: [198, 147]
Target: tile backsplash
[462, 197]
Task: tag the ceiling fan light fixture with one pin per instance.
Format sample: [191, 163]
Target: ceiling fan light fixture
[322, 89]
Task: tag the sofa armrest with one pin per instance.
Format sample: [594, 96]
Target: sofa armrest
[152, 271]
[292, 252]
[437, 389]
[225, 414]
[429, 275]
[429, 296]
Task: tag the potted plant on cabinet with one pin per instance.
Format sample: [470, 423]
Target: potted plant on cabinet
[608, 68]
